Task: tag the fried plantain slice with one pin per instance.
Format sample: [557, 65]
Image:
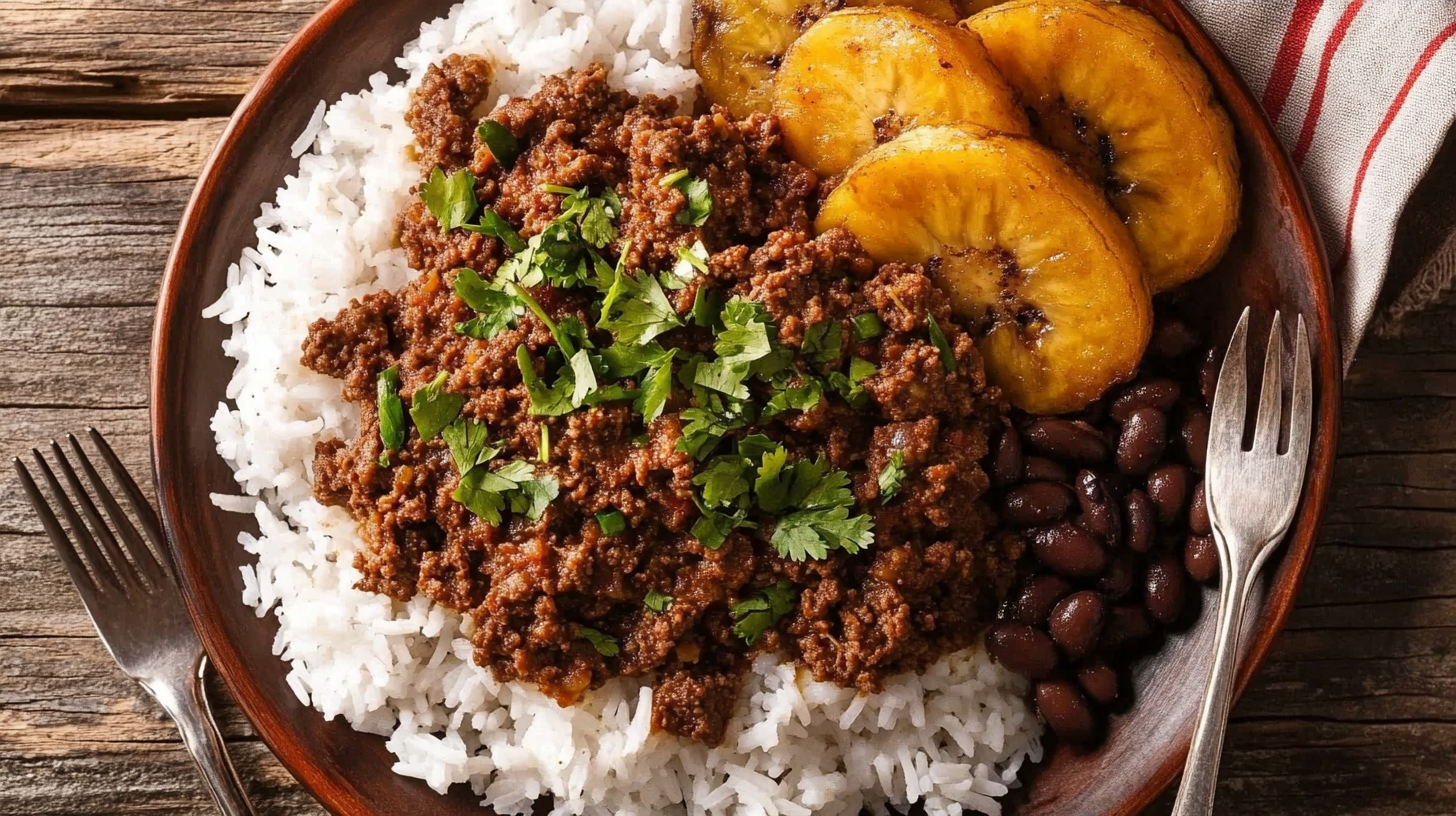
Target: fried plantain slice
[859, 77]
[1027, 248]
[738, 45]
[1123, 98]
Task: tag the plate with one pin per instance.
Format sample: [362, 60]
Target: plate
[1276, 262]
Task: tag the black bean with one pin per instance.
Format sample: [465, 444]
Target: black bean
[1137, 519]
[1126, 626]
[1200, 558]
[1099, 680]
[1155, 392]
[1163, 588]
[1076, 623]
[1068, 440]
[1168, 488]
[1033, 603]
[1042, 469]
[1121, 574]
[1195, 438]
[1006, 464]
[1069, 550]
[1065, 709]
[1208, 375]
[1172, 339]
[1101, 514]
[1036, 503]
[1143, 440]
[1022, 649]
[1198, 512]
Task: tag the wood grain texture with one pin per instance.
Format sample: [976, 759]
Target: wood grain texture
[138, 58]
[1355, 712]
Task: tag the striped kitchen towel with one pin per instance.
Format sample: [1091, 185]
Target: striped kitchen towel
[1361, 93]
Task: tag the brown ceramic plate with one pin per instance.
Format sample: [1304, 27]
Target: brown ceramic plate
[1276, 262]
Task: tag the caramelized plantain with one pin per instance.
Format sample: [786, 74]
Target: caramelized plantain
[859, 77]
[738, 45]
[1123, 98]
[1027, 248]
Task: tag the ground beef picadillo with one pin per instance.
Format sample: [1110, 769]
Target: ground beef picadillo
[937, 569]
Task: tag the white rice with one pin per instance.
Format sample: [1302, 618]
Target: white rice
[954, 737]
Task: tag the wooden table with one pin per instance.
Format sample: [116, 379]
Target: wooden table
[107, 110]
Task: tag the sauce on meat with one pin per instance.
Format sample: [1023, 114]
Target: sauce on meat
[535, 589]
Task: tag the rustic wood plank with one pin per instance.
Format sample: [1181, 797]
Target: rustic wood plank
[24, 428]
[88, 209]
[154, 58]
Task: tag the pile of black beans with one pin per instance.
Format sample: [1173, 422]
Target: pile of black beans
[1110, 501]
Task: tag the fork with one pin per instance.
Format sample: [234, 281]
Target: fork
[135, 603]
[1251, 495]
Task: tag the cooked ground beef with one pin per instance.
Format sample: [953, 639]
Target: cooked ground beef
[936, 570]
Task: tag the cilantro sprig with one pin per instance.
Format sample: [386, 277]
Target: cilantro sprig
[450, 197]
[760, 612]
[892, 476]
[605, 644]
[391, 413]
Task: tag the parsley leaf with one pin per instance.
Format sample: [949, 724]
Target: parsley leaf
[637, 310]
[496, 227]
[533, 496]
[611, 522]
[391, 413]
[757, 614]
[606, 645]
[596, 224]
[432, 407]
[947, 358]
[708, 307]
[629, 360]
[497, 310]
[724, 482]
[483, 493]
[812, 533]
[850, 386]
[700, 201]
[545, 401]
[689, 259]
[823, 340]
[658, 602]
[867, 326]
[451, 199]
[501, 142]
[712, 529]
[804, 397]
[487, 493]
[469, 444]
[892, 476]
[656, 389]
[707, 425]
[585, 379]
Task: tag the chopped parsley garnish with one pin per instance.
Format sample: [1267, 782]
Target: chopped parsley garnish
[867, 326]
[636, 309]
[672, 178]
[488, 493]
[493, 225]
[655, 390]
[757, 614]
[451, 199]
[502, 144]
[469, 443]
[947, 358]
[822, 341]
[657, 602]
[850, 386]
[611, 522]
[804, 397]
[433, 408]
[553, 400]
[391, 413]
[700, 200]
[543, 446]
[606, 645]
[691, 258]
[892, 476]
[496, 308]
[708, 307]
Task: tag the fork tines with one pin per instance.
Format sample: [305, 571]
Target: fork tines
[96, 554]
[1231, 397]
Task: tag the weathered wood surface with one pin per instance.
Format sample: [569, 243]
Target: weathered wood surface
[1354, 714]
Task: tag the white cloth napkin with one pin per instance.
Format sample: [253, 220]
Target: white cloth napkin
[1361, 93]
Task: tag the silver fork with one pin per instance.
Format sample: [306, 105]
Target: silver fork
[1252, 496]
[135, 603]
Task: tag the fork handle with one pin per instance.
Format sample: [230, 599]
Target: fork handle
[1200, 772]
[193, 715]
